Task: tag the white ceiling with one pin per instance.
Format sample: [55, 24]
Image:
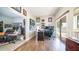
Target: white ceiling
[35, 11]
[43, 11]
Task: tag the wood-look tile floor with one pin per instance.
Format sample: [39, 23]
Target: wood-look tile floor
[46, 45]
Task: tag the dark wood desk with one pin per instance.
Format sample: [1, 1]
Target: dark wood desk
[71, 45]
[40, 35]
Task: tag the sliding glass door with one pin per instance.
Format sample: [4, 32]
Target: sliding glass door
[62, 28]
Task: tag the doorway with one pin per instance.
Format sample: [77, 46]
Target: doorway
[62, 28]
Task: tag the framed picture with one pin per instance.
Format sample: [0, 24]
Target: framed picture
[50, 19]
[17, 9]
[32, 24]
[24, 12]
[43, 20]
[38, 19]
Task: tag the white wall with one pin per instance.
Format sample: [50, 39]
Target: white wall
[29, 33]
[16, 20]
[46, 20]
[6, 19]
